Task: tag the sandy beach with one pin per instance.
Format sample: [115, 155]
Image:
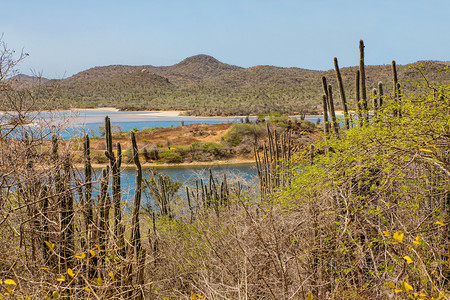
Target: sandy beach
[149, 113]
[97, 108]
[164, 113]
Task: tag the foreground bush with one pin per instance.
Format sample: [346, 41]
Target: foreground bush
[368, 220]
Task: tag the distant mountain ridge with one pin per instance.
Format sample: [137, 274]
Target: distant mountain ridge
[203, 85]
[191, 70]
[27, 81]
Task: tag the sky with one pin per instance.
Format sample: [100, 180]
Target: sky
[65, 37]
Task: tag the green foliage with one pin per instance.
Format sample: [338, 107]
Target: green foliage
[239, 132]
[216, 90]
[99, 157]
[377, 187]
[212, 147]
[162, 188]
[171, 156]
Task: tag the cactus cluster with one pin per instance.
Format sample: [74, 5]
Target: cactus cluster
[365, 114]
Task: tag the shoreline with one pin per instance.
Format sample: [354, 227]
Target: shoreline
[174, 113]
[199, 164]
[162, 113]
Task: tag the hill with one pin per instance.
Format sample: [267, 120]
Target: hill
[202, 85]
[194, 69]
[27, 81]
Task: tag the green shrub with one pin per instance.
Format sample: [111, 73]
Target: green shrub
[98, 157]
[211, 147]
[239, 132]
[171, 157]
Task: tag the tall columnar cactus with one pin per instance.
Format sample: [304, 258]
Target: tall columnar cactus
[375, 104]
[189, 204]
[325, 86]
[332, 111]
[115, 164]
[359, 108]
[380, 94]
[89, 203]
[399, 100]
[56, 162]
[103, 208]
[326, 127]
[274, 161]
[342, 93]
[139, 253]
[44, 224]
[56, 178]
[88, 186]
[395, 81]
[67, 218]
[362, 74]
[136, 234]
[394, 76]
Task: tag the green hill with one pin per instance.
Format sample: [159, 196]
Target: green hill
[202, 85]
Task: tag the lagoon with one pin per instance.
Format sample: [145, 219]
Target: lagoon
[78, 122]
[90, 120]
[246, 174]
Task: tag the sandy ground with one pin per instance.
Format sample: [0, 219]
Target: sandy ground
[149, 113]
[98, 108]
[166, 113]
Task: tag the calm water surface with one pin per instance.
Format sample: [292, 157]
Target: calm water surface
[246, 174]
[78, 123]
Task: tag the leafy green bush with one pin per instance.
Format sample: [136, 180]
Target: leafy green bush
[98, 157]
[171, 157]
[211, 147]
[239, 132]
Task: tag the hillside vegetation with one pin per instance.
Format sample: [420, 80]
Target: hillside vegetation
[201, 85]
[362, 213]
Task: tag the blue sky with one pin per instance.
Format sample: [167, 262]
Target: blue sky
[65, 37]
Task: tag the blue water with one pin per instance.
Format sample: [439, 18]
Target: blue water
[245, 174]
[70, 124]
[90, 120]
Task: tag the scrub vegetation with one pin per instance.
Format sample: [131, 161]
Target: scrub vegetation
[362, 213]
[202, 85]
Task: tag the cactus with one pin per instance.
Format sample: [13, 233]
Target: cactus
[332, 111]
[380, 95]
[115, 164]
[399, 100]
[44, 224]
[394, 76]
[325, 89]
[325, 85]
[326, 127]
[102, 204]
[274, 161]
[396, 91]
[136, 234]
[375, 104]
[155, 237]
[189, 204]
[140, 279]
[342, 93]
[88, 185]
[55, 158]
[357, 100]
[67, 217]
[362, 74]
[139, 253]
